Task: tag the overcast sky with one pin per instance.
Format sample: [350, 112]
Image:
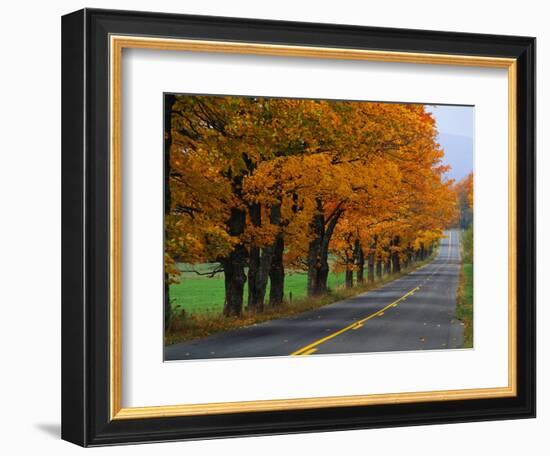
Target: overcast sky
[455, 125]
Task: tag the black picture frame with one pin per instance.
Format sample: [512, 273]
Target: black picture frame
[85, 224]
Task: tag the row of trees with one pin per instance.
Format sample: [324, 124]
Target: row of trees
[260, 186]
[465, 198]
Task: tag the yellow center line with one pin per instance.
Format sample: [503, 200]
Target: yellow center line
[355, 325]
[309, 349]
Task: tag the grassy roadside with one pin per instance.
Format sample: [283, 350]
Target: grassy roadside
[190, 326]
[205, 295]
[465, 291]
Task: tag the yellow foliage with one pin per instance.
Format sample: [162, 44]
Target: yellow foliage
[377, 165]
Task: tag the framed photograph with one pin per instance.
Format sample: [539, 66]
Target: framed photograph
[270, 227]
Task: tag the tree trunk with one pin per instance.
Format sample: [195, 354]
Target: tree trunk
[277, 269]
[324, 269]
[371, 267]
[322, 283]
[234, 266]
[349, 277]
[379, 268]
[395, 257]
[263, 275]
[396, 264]
[254, 304]
[314, 255]
[318, 268]
[256, 285]
[277, 274]
[235, 278]
[169, 101]
[360, 261]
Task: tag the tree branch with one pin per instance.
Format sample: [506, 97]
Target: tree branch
[208, 274]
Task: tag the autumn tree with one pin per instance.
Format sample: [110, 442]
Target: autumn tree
[230, 137]
[383, 159]
[464, 190]
[258, 185]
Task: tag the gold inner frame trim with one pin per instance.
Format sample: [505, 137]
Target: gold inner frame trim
[117, 44]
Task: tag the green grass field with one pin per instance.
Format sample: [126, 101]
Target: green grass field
[469, 283]
[465, 296]
[202, 299]
[202, 294]
[465, 307]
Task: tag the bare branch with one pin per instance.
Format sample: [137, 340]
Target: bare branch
[207, 274]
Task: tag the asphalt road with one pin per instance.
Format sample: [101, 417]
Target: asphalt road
[414, 312]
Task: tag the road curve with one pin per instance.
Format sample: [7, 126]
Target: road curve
[414, 312]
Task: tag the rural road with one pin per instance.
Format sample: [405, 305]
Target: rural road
[414, 312]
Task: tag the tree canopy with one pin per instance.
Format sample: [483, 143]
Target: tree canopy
[260, 185]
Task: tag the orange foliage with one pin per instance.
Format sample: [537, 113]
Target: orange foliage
[376, 166]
